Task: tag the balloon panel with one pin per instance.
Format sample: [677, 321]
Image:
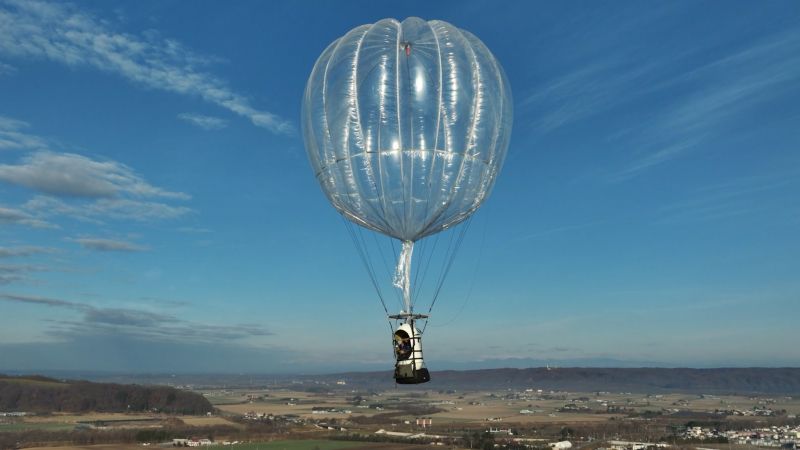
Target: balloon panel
[406, 125]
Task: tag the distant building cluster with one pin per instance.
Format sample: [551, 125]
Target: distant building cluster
[775, 436]
[195, 442]
[325, 410]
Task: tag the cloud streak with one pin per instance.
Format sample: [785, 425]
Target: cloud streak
[126, 323]
[17, 217]
[725, 91]
[584, 93]
[96, 211]
[6, 69]
[71, 175]
[12, 273]
[77, 186]
[62, 33]
[204, 122]
[23, 251]
[13, 136]
[108, 245]
[743, 196]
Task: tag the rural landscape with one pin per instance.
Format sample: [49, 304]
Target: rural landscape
[720, 409]
[233, 224]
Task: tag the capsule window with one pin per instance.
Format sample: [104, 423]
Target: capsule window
[402, 345]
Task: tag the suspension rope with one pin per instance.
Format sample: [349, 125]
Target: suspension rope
[366, 261]
[456, 239]
[364, 245]
[426, 263]
[468, 297]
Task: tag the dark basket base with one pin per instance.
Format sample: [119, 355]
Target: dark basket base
[416, 377]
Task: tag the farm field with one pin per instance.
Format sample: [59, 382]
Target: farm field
[300, 445]
[45, 426]
[478, 407]
[272, 445]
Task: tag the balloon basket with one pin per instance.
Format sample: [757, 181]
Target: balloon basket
[409, 366]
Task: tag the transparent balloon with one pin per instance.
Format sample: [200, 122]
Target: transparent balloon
[406, 125]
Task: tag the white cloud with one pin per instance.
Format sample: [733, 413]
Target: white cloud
[108, 245]
[204, 122]
[729, 89]
[89, 190]
[137, 323]
[9, 252]
[114, 208]
[13, 138]
[10, 273]
[60, 32]
[5, 69]
[67, 174]
[17, 217]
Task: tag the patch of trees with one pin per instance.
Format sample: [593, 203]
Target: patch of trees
[42, 395]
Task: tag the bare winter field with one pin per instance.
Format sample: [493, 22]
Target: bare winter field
[485, 407]
[318, 413]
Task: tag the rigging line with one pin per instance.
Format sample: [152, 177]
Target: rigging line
[446, 255]
[428, 262]
[421, 247]
[364, 260]
[389, 271]
[451, 259]
[468, 297]
[365, 247]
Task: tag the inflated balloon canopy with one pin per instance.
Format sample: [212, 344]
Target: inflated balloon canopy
[406, 125]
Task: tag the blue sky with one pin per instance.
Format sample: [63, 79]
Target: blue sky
[158, 212]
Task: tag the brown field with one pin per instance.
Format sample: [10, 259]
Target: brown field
[74, 418]
[208, 421]
[91, 447]
[486, 405]
[471, 409]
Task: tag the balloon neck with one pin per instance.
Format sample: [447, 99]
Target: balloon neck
[402, 275]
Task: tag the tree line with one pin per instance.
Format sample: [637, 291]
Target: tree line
[43, 395]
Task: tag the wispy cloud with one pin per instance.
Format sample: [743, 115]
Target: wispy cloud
[743, 196]
[10, 273]
[22, 251]
[18, 217]
[62, 33]
[135, 324]
[585, 92]
[107, 208]
[6, 69]
[204, 122]
[41, 301]
[557, 230]
[724, 92]
[13, 136]
[68, 174]
[108, 245]
[78, 186]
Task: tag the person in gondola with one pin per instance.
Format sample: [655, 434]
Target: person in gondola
[403, 346]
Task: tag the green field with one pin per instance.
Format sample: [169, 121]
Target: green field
[298, 445]
[10, 427]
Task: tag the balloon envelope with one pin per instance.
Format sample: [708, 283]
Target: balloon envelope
[406, 125]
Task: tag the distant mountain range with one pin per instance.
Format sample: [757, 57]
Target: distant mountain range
[757, 380]
[770, 381]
